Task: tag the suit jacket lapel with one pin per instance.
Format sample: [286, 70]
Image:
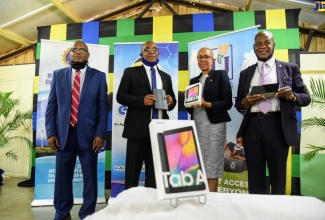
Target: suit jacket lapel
[197, 78]
[280, 73]
[88, 76]
[282, 83]
[250, 74]
[67, 82]
[145, 76]
[163, 80]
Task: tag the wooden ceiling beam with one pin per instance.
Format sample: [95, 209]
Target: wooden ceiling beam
[15, 37]
[203, 5]
[168, 7]
[118, 11]
[248, 6]
[146, 8]
[67, 11]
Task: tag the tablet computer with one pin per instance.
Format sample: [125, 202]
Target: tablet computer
[267, 90]
[161, 102]
[193, 94]
[181, 165]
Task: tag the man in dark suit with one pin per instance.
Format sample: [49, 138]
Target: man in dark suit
[76, 130]
[135, 92]
[267, 136]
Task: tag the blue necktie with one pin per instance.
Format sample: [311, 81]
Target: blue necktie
[154, 86]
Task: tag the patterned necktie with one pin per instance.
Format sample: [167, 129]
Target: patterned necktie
[264, 105]
[75, 99]
[154, 86]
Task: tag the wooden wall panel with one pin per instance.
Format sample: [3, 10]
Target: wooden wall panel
[313, 45]
[182, 9]
[302, 41]
[193, 10]
[320, 41]
[21, 58]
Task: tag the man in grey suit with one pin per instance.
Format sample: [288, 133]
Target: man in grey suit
[76, 130]
[135, 91]
[268, 133]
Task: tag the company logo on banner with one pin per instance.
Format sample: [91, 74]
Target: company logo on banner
[231, 55]
[224, 59]
[66, 57]
[121, 110]
[168, 62]
[319, 6]
[55, 55]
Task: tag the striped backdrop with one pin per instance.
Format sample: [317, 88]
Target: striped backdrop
[183, 29]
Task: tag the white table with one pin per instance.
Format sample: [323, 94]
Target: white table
[142, 203]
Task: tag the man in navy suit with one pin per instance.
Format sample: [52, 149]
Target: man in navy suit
[135, 92]
[267, 136]
[84, 136]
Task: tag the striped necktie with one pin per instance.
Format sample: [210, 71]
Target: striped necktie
[75, 99]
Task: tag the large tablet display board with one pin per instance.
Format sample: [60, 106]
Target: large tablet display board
[177, 157]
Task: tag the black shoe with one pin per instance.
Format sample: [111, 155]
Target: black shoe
[27, 183]
[67, 218]
[30, 182]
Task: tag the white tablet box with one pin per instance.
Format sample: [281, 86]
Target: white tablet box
[177, 159]
[193, 94]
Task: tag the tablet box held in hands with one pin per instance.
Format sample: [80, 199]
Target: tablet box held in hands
[193, 94]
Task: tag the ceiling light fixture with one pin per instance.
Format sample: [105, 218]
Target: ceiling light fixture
[130, 15]
[156, 8]
[302, 2]
[30, 14]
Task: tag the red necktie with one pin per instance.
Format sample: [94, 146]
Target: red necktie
[75, 99]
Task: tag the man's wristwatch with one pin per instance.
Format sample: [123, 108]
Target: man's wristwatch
[294, 98]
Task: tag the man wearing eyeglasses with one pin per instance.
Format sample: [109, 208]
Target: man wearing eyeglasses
[136, 92]
[76, 125]
[269, 126]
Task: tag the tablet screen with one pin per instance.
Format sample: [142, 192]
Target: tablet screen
[192, 94]
[180, 160]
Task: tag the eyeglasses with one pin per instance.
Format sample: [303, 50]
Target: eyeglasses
[82, 50]
[147, 50]
[203, 58]
[259, 44]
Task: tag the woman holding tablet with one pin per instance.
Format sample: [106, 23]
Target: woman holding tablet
[211, 115]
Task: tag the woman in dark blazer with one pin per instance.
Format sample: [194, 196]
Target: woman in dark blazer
[211, 116]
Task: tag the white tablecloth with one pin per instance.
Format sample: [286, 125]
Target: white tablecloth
[142, 203]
